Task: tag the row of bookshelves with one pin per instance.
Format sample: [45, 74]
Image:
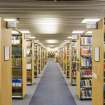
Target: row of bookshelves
[76, 57]
[64, 58]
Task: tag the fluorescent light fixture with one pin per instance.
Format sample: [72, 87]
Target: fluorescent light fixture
[32, 37]
[77, 32]
[52, 41]
[90, 20]
[10, 19]
[69, 37]
[89, 32]
[47, 25]
[25, 31]
[15, 32]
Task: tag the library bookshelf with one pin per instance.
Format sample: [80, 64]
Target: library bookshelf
[30, 61]
[68, 60]
[84, 73]
[35, 59]
[18, 65]
[40, 57]
[5, 65]
[74, 61]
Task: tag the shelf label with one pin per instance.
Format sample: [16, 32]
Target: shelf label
[94, 75]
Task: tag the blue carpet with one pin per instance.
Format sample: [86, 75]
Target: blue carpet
[52, 89]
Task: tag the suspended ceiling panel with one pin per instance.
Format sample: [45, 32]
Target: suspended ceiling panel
[69, 12]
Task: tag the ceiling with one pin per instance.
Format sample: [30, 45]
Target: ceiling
[69, 12]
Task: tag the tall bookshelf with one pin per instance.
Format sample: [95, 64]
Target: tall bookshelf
[68, 60]
[84, 75]
[18, 65]
[35, 60]
[41, 56]
[5, 64]
[65, 59]
[30, 61]
[74, 62]
[98, 80]
[39, 59]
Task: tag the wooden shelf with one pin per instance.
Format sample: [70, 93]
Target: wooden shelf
[98, 67]
[19, 65]
[5, 65]
[84, 57]
[30, 61]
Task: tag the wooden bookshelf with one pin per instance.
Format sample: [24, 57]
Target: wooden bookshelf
[5, 65]
[30, 61]
[41, 56]
[74, 61]
[84, 74]
[68, 60]
[35, 59]
[98, 80]
[18, 65]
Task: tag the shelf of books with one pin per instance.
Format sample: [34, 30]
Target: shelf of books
[39, 58]
[40, 54]
[65, 59]
[98, 76]
[35, 60]
[5, 64]
[18, 65]
[30, 61]
[68, 60]
[74, 61]
[60, 56]
[85, 69]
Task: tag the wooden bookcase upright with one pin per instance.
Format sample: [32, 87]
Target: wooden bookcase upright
[5, 65]
[30, 61]
[98, 80]
[19, 80]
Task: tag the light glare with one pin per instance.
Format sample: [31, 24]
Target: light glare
[47, 25]
[90, 20]
[77, 32]
[10, 19]
[52, 41]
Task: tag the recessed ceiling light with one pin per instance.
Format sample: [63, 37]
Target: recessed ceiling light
[89, 32]
[15, 32]
[52, 41]
[32, 37]
[69, 37]
[47, 25]
[25, 31]
[77, 32]
[10, 19]
[90, 20]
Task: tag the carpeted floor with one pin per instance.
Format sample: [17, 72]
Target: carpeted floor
[52, 89]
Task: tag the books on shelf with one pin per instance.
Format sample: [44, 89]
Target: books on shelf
[17, 82]
[86, 93]
[86, 51]
[86, 83]
[86, 40]
[86, 62]
[86, 73]
[86, 67]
